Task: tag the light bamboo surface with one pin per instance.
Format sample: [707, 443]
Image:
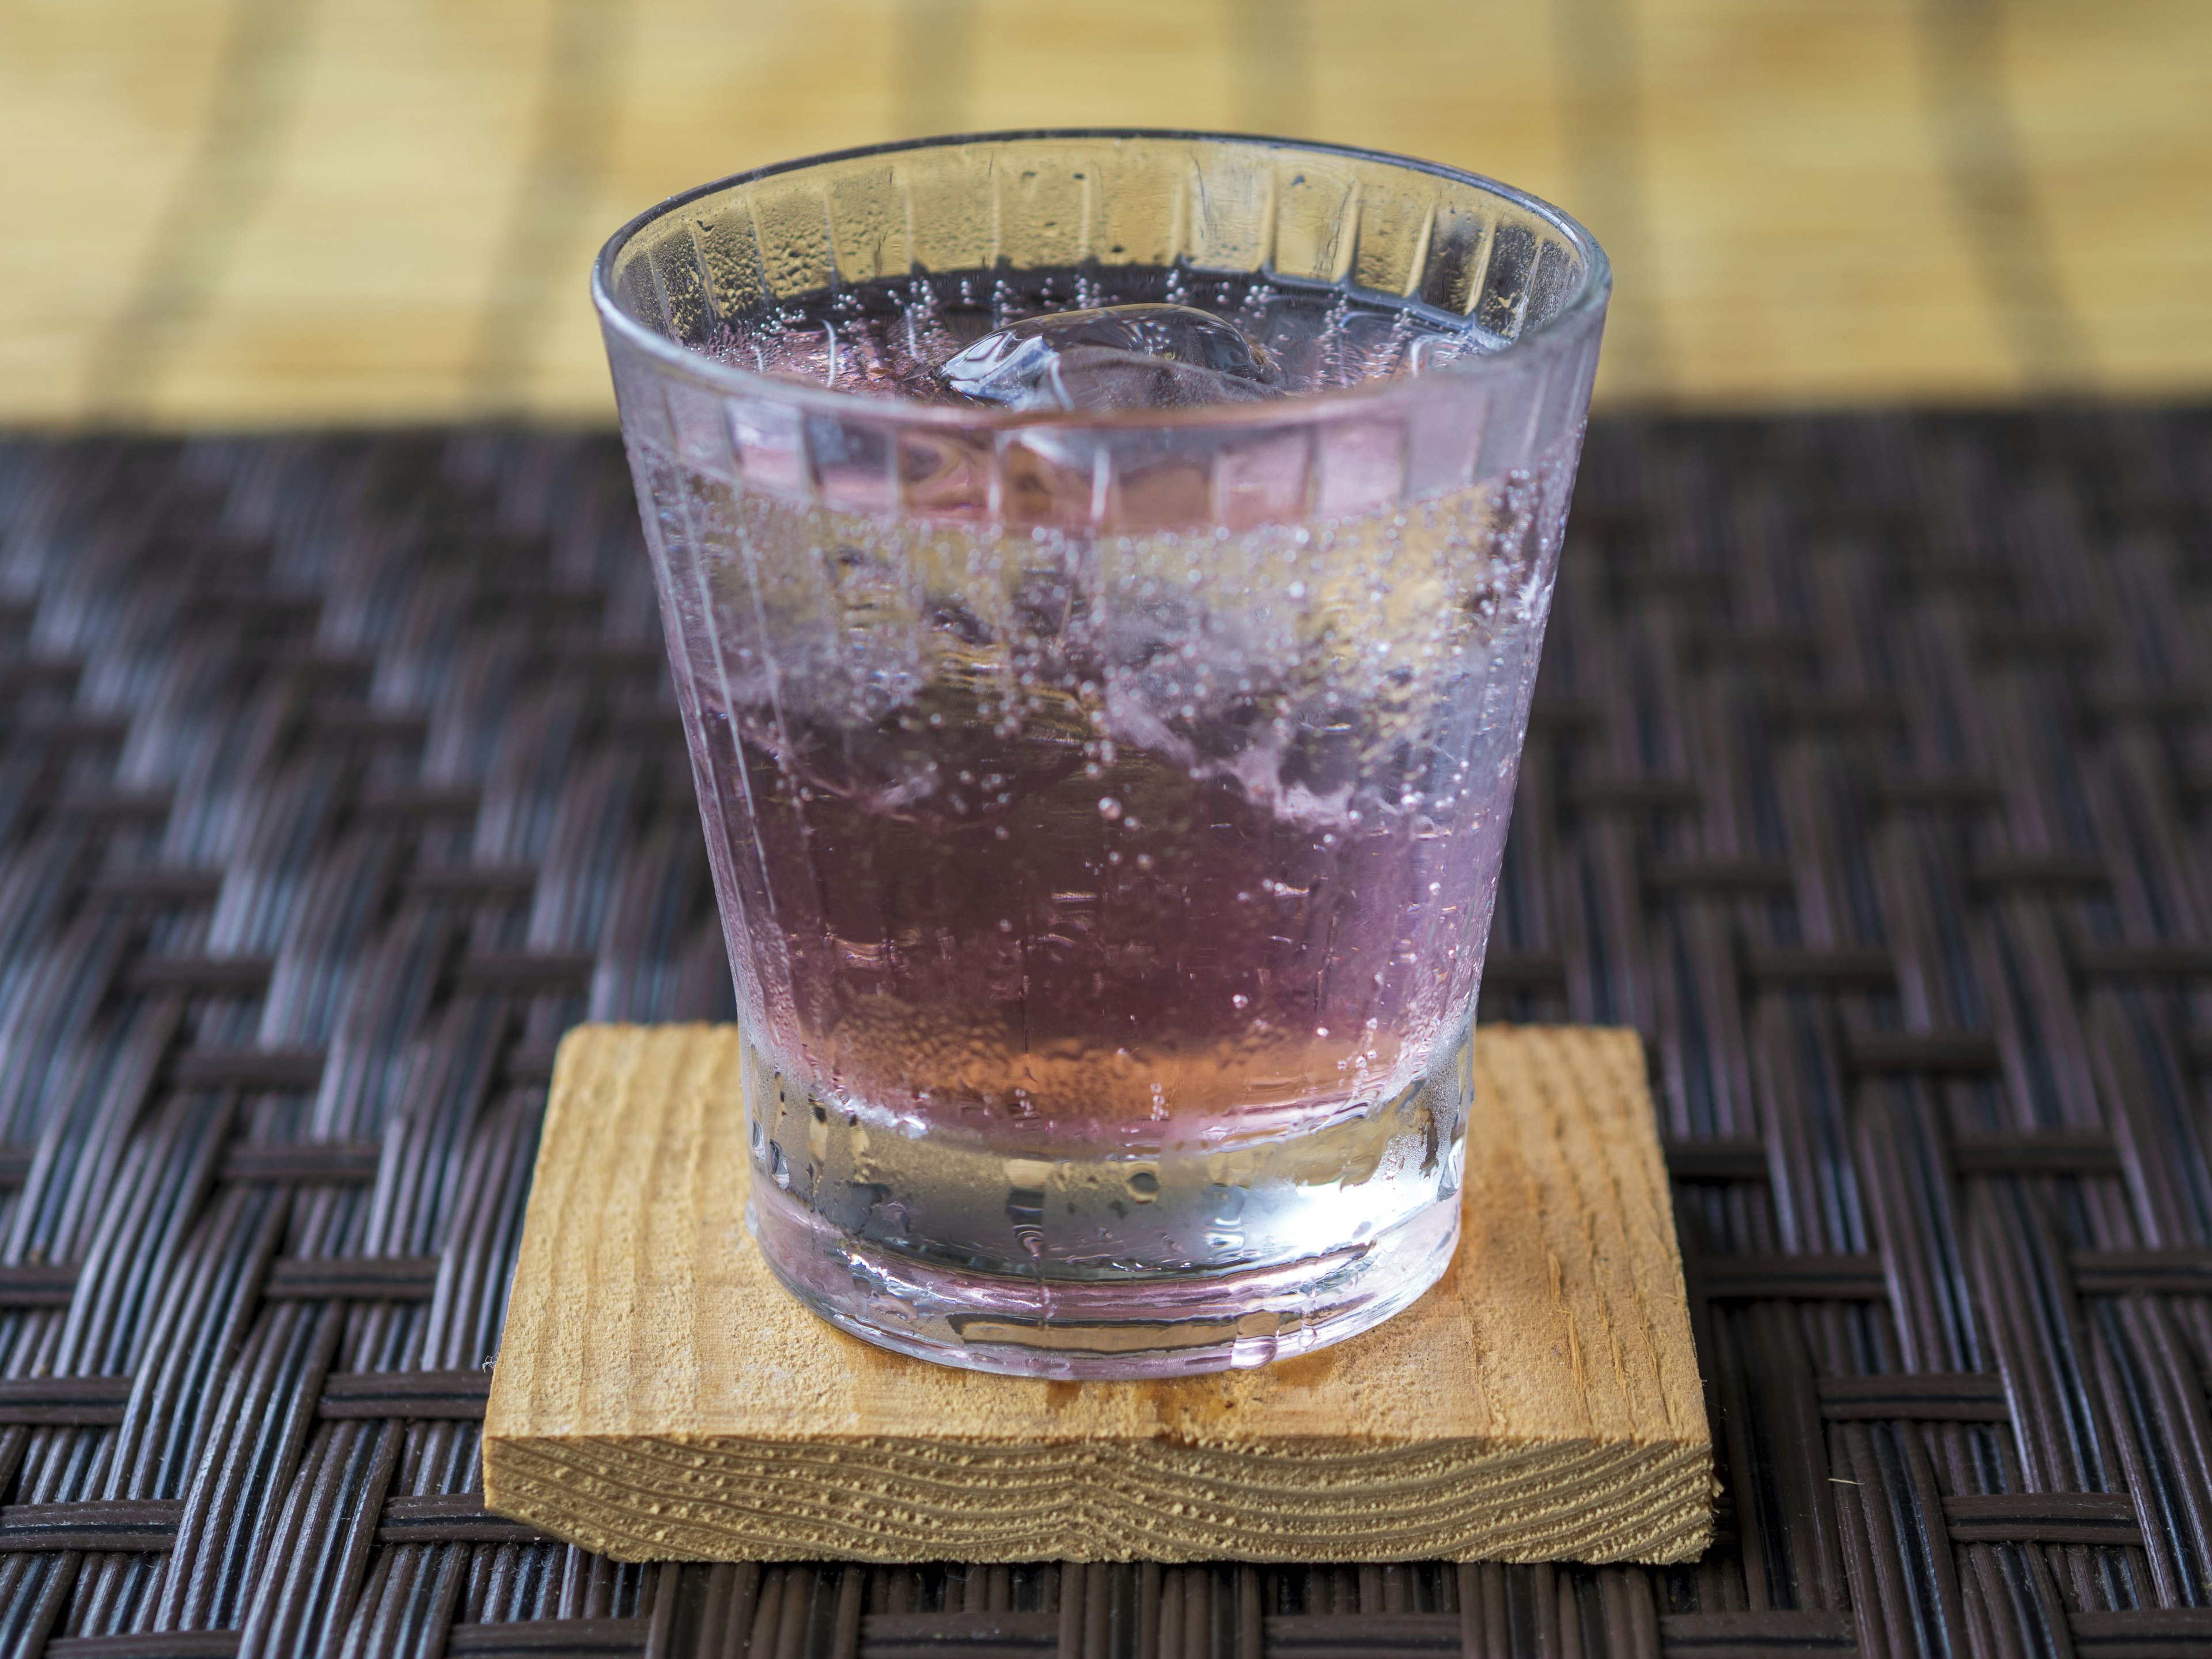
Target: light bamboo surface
[659, 1395]
[258, 212]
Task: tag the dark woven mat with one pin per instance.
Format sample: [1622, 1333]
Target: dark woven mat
[1870, 782]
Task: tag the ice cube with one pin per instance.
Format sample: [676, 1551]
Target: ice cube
[1138, 356]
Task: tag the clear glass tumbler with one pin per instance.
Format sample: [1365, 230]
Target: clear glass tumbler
[1105, 800]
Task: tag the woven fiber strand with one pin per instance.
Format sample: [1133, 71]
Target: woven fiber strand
[1870, 782]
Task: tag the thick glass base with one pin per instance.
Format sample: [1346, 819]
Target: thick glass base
[1102, 1246]
[1132, 1325]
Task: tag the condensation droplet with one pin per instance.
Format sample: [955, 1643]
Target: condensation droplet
[1109, 809]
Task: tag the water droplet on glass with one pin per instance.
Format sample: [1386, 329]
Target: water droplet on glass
[1109, 809]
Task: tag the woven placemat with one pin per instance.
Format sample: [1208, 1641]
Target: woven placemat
[1869, 783]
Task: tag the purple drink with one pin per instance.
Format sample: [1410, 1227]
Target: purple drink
[1106, 813]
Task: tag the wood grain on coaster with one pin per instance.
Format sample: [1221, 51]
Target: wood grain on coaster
[659, 1395]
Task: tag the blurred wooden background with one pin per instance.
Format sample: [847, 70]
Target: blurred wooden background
[246, 213]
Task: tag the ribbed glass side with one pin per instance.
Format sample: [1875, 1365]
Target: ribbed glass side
[1216, 205]
[1106, 811]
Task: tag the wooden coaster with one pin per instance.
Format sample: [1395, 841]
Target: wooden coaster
[658, 1396]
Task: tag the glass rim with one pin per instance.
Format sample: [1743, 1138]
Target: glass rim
[1590, 296]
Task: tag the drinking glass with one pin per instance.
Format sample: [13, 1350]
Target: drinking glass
[1105, 802]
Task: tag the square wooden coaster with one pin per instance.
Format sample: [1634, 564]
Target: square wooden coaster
[658, 1396]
